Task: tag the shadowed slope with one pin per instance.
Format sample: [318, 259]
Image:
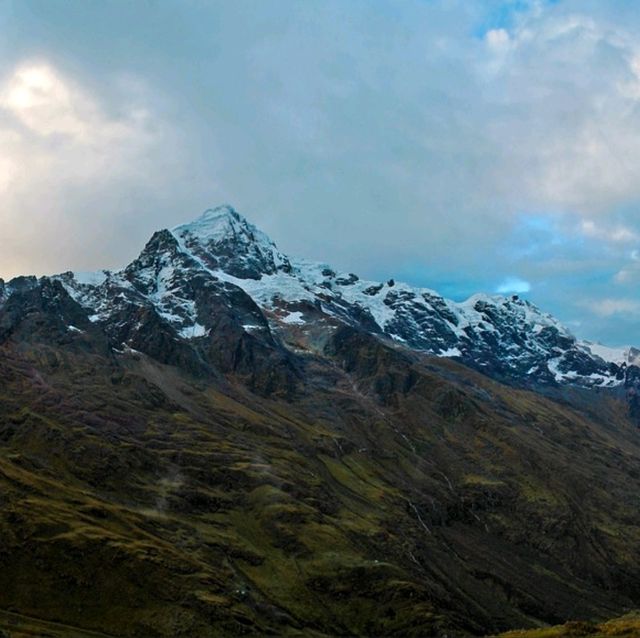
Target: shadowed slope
[394, 495]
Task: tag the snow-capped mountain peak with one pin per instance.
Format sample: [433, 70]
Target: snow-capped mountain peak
[222, 239]
[221, 265]
[218, 224]
[626, 355]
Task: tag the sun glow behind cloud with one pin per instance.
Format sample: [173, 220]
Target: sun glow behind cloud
[43, 101]
[60, 153]
[46, 108]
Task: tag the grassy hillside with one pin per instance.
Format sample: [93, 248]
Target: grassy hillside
[392, 495]
[628, 626]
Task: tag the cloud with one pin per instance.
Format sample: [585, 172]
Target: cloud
[52, 128]
[615, 234]
[613, 307]
[568, 91]
[629, 274]
[66, 163]
[46, 104]
[498, 39]
[513, 285]
[382, 139]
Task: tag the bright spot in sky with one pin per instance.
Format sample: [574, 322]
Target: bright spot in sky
[45, 102]
[513, 285]
[30, 86]
[497, 38]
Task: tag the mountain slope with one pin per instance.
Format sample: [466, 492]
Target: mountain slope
[209, 443]
[628, 625]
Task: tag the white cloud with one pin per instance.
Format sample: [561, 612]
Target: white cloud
[46, 104]
[614, 234]
[47, 116]
[497, 39]
[66, 163]
[513, 285]
[568, 96]
[613, 307]
[630, 273]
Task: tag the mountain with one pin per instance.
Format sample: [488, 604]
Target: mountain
[219, 440]
[220, 256]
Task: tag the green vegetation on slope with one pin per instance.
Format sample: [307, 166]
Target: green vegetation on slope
[391, 497]
[627, 626]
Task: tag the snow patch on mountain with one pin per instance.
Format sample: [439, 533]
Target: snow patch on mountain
[91, 278]
[626, 355]
[295, 319]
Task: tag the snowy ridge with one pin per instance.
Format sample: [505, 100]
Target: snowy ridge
[221, 256]
[621, 356]
[222, 239]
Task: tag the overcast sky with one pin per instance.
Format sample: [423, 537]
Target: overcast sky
[464, 146]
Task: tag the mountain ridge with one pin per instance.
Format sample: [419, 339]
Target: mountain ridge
[506, 337]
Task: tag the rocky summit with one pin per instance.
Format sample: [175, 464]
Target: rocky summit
[220, 440]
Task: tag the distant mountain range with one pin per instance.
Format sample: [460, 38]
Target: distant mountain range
[219, 439]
